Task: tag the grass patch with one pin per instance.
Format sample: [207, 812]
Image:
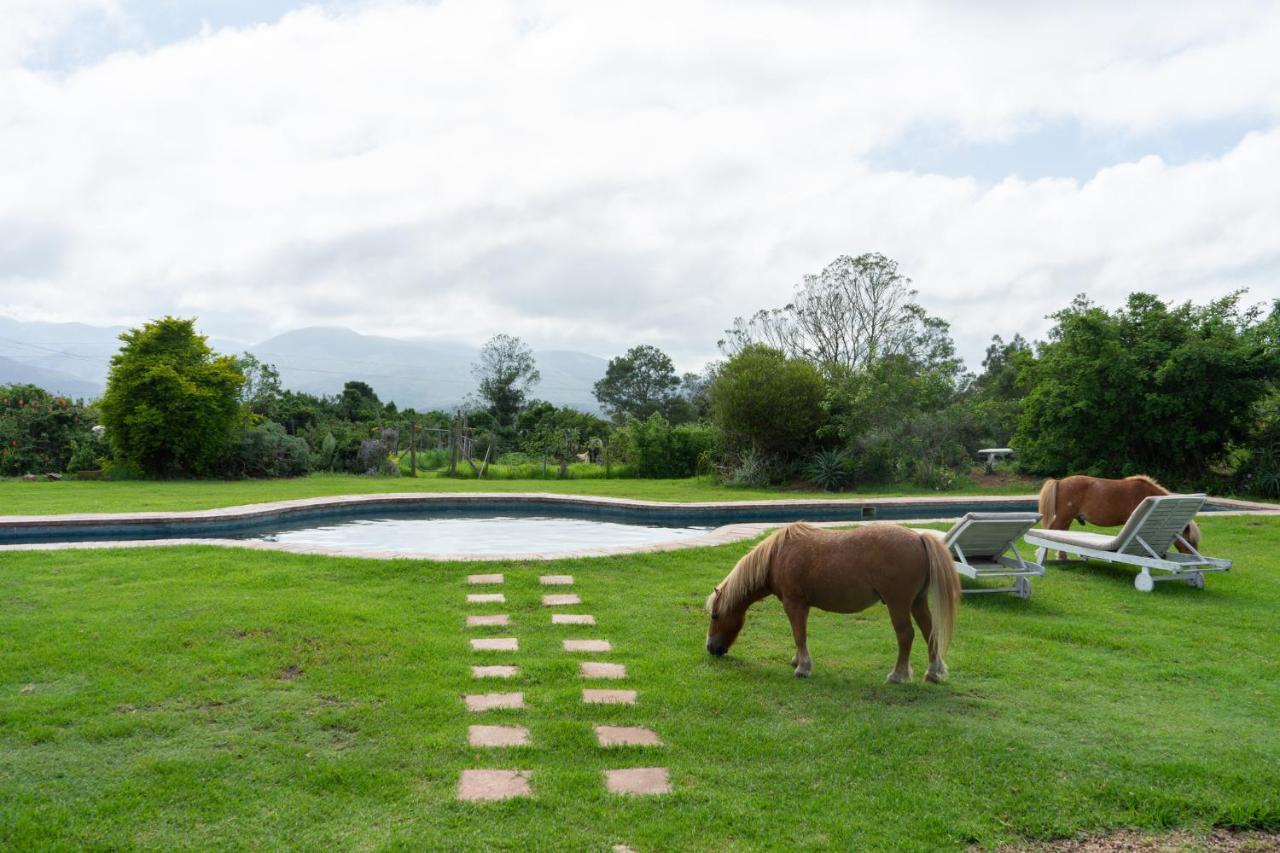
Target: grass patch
[196, 697]
[20, 497]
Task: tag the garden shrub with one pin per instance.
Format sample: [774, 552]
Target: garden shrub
[657, 449]
[268, 451]
[39, 432]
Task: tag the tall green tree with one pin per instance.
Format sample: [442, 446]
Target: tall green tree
[637, 384]
[172, 404]
[1150, 388]
[505, 372]
[764, 400]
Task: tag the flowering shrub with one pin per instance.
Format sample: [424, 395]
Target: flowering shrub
[39, 431]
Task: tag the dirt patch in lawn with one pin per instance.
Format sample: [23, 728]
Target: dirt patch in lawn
[1175, 842]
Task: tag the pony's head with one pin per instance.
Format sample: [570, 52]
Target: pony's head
[726, 622]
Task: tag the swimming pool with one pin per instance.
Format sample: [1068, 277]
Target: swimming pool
[480, 525]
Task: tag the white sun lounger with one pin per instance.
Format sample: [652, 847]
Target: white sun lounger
[982, 544]
[1144, 541]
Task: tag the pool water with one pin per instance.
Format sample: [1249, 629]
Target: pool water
[497, 534]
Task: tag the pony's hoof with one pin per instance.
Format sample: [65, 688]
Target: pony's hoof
[934, 676]
[802, 673]
[896, 677]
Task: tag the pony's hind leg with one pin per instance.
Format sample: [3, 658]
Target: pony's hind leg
[901, 618]
[798, 613]
[937, 666]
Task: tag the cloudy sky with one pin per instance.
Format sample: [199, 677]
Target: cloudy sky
[593, 175]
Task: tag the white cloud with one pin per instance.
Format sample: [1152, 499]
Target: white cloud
[597, 175]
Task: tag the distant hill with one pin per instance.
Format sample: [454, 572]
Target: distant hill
[421, 374]
[55, 381]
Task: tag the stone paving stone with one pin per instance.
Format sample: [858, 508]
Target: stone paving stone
[489, 701]
[586, 646]
[556, 580]
[627, 736]
[495, 644]
[591, 669]
[486, 598]
[485, 579]
[572, 619]
[492, 619]
[494, 671]
[638, 780]
[560, 600]
[497, 736]
[609, 697]
[493, 784]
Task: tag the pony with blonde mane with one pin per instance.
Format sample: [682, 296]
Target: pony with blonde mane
[845, 571]
[1106, 503]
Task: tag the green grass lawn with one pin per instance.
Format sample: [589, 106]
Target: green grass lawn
[18, 497]
[197, 697]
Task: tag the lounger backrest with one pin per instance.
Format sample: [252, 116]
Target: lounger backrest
[988, 534]
[1157, 521]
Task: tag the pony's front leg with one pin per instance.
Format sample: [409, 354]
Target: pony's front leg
[901, 618]
[798, 613]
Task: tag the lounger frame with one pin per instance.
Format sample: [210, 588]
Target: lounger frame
[1133, 549]
[997, 558]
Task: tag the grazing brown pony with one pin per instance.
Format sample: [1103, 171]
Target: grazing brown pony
[845, 571]
[1106, 503]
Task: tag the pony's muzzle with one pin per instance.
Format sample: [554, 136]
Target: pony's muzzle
[717, 649]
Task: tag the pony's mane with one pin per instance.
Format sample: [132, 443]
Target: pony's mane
[1144, 478]
[749, 575]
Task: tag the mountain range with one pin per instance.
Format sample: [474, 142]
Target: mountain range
[73, 358]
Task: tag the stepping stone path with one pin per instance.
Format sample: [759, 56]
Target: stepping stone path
[502, 784]
[497, 736]
[590, 669]
[586, 646]
[572, 619]
[488, 701]
[626, 736]
[495, 644]
[638, 780]
[493, 784]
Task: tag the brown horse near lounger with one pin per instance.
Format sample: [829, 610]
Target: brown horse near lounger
[1106, 503]
[845, 571]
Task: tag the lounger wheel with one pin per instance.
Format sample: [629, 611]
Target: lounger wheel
[1144, 582]
[1022, 587]
[1196, 581]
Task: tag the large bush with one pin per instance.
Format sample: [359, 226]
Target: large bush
[39, 432]
[172, 405]
[268, 451]
[764, 400]
[1150, 388]
[656, 449]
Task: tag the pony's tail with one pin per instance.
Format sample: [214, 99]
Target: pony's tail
[944, 591]
[1048, 502]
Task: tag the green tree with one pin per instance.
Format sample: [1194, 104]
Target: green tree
[764, 400]
[637, 384]
[852, 314]
[260, 394]
[358, 402]
[505, 373]
[1150, 388]
[171, 403]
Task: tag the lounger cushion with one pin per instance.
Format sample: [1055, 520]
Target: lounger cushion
[1096, 541]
